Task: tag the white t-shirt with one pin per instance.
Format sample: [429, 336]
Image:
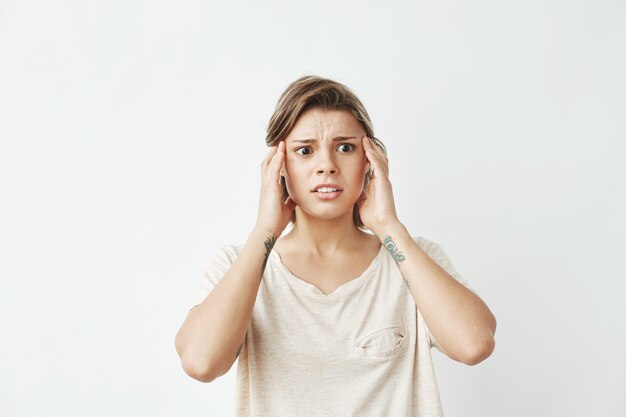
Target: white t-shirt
[362, 350]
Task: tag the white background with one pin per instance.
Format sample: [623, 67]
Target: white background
[131, 139]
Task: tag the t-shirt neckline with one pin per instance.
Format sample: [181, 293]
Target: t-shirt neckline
[311, 289]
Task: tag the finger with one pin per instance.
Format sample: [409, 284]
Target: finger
[368, 143]
[378, 150]
[269, 156]
[375, 159]
[289, 203]
[277, 161]
[378, 147]
[361, 199]
[266, 161]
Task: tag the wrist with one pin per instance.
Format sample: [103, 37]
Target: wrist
[263, 233]
[393, 227]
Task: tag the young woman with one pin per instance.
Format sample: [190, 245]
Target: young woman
[337, 316]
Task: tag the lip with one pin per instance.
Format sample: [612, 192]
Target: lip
[329, 185]
[328, 196]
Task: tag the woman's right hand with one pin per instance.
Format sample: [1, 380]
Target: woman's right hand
[274, 214]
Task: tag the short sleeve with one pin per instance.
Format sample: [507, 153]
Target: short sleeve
[214, 270]
[437, 254]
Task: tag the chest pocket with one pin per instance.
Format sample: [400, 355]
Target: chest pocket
[384, 342]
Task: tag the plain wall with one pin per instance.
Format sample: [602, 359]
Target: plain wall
[131, 136]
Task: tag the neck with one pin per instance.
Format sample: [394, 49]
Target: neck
[322, 236]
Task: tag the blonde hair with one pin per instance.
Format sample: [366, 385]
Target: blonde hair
[315, 92]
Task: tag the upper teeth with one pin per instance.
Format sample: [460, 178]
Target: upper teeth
[326, 190]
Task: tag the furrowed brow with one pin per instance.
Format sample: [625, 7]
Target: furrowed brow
[337, 139]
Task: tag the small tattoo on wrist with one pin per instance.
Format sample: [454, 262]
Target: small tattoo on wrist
[392, 249]
[269, 244]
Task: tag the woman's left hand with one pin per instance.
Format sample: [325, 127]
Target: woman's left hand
[376, 205]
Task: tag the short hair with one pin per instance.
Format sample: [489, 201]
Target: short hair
[310, 92]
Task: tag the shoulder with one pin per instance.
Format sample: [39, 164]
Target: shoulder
[437, 254]
[230, 249]
[427, 245]
[225, 254]
[217, 264]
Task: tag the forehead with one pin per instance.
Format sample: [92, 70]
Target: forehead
[319, 123]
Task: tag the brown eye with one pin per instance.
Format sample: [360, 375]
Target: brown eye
[305, 150]
[345, 147]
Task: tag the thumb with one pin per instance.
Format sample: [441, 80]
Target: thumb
[289, 203]
[361, 199]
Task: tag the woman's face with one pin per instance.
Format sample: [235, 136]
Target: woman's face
[325, 165]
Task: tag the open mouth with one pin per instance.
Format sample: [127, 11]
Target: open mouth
[326, 190]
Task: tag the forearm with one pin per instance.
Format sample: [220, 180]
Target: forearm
[209, 340]
[459, 320]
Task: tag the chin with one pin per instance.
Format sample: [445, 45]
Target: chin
[328, 212]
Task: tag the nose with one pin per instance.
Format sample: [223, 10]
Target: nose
[326, 163]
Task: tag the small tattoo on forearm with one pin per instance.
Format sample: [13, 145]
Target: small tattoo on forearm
[393, 250]
[269, 244]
